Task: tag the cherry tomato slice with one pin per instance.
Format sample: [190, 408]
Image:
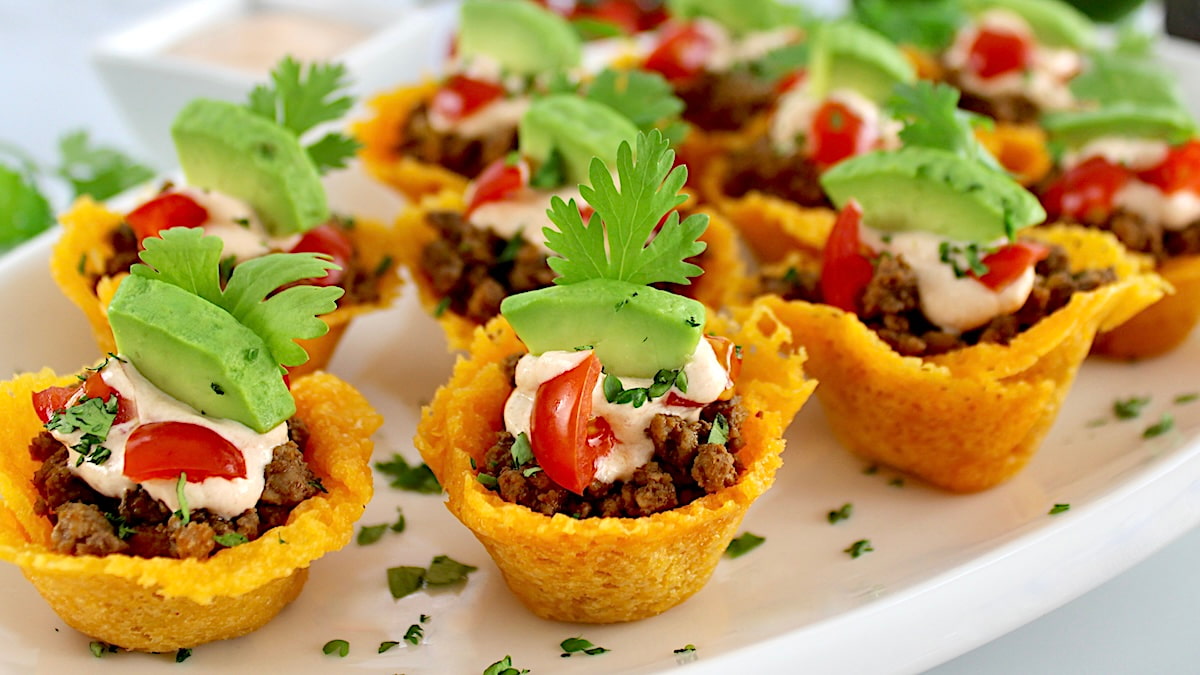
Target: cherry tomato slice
[682, 52]
[1085, 192]
[624, 14]
[791, 81]
[332, 241]
[48, 401]
[1179, 171]
[845, 271]
[165, 211]
[1010, 262]
[837, 133]
[501, 180]
[461, 96]
[559, 426]
[166, 449]
[994, 53]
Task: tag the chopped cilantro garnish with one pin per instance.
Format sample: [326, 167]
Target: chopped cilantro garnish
[1186, 398]
[511, 248]
[1162, 426]
[119, 525]
[521, 451]
[686, 649]
[99, 649]
[405, 580]
[871, 470]
[615, 392]
[441, 307]
[444, 571]
[184, 513]
[414, 634]
[182, 655]
[369, 534]
[719, 433]
[231, 539]
[1129, 408]
[743, 544]
[858, 548]
[299, 100]
[425, 618]
[840, 514]
[896, 482]
[414, 478]
[1059, 508]
[387, 644]
[487, 480]
[549, 175]
[400, 522]
[577, 644]
[385, 264]
[504, 667]
[339, 647]
[93, 417]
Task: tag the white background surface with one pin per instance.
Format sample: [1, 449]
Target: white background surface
[1140, 622]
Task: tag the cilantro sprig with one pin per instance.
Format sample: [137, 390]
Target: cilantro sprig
[186, 258]
[933, 119]
[613, 244]
[92, 418]
[299, 100]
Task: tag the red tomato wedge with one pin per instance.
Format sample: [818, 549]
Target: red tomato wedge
[1085, 192]
[845, 271]
[837, 133]
[790, 81]
[48, 401]
[502, 179]
[1179, 171]
[1010, 262]
[332, 241]
[461, 96]
[624, 14]
[164, 212]
[167, 449]
[994, 53]
[559, 433]
[681, 53]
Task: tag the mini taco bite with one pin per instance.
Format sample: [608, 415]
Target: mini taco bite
[258, 201]
[608, 469]
[176, 493]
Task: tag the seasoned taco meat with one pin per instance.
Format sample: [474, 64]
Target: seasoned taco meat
[724, 101]
[759, 167]
[462, 155]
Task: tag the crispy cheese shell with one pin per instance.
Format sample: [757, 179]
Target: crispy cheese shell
[1164, 325]
[722, 283]
[970, 419]
[1020, 148]
[605, 570]
[163, 604]
[85, 245]
[382, 137]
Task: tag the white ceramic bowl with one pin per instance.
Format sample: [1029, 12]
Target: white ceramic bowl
[382, 45]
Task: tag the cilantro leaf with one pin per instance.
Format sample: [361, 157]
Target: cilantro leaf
[646, 98]
[231, 539]
[332, 151]
[743, 544]
[299, 100]
[24, 211]
[932, 119]
[190, 260]
[504, 667]
[928, 24]
[578, 644]
[405, 580]
[97, 170]
[415, 478]
[445, 570]
[613, 245]
[369, 534]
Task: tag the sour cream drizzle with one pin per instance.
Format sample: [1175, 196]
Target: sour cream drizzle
[953, 304]
[706, 380]
[1174, 211]
[793, 119]
[525, 214]
[224, 497]
[234, 221]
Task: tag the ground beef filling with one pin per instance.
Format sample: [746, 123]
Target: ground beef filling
[1138, 234]
[89, 523]
[683, 469]
[460, 154]
[724, 101]
[1015, 108]
[760, 167]
[473, 269]
[891, 304]
[360, 282]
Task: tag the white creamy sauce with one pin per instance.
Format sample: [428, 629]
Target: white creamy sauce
[729, 51]
[1138, 154]
[224, 497]
[953, 304]
[1174, 211]
[233, 220]
[1045, 80]
[706, 380]
[793, 119]
[525, 213]
[499, 114]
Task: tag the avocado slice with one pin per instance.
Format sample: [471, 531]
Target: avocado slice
[1055, 23]
[578, 129]
[1112, 78]
[738, 16]
[1126, 119]
[226, 147]
[196, 350]
[936, 191]
[524, 38]
[847, 54]
[636, 330]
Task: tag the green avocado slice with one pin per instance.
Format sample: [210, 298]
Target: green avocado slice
[200, 353]
[936, 191]
[226, 147]
[847, 54]
[578, 129]
[636, 330]
[739, 16]
[1126, 119]
[1055, 23]
[524, 38]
